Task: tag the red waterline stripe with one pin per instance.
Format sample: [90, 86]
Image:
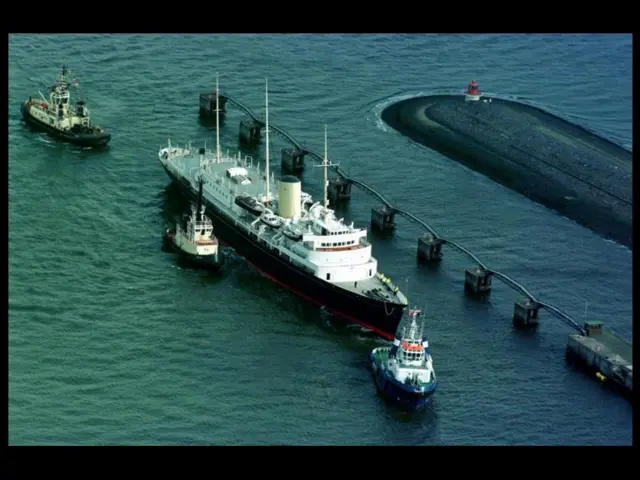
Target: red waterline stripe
[370, 327]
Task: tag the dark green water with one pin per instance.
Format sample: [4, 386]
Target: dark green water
[111, 342]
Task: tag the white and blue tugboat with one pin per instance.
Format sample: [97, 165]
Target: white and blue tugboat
[194, 240]
[404, 371]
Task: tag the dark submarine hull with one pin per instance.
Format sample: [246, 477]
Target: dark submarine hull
[378, 316]
[558, 164]
[81, 139]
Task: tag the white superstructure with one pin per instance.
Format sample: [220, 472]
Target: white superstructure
[197, 239]
[412, 363]
[57, 111]
[312, 239]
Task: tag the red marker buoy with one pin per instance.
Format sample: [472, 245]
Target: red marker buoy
[473, 92]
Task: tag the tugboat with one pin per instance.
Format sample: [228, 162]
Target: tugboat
[473, 92]
[57, 117]
[195, 240]
[404, 371]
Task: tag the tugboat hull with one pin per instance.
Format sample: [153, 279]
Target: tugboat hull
[401, 393]
[81, 139]
[208, 262]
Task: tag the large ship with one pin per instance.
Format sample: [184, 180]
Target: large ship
[298, 244]
[57, 117]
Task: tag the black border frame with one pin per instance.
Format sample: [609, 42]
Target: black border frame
[424, 17]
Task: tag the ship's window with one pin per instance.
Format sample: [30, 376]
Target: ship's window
[328, 276]
[369, 272]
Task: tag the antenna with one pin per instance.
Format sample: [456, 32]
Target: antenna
[217, 124]
[325, 164]
[266, 97]
[423, 315]
[586, 304]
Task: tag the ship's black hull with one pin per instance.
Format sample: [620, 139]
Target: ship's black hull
[381, 317]
[80, 139]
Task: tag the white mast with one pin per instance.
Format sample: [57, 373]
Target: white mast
[266, 96]
[325, 164]
[217, 123]
[586, 304]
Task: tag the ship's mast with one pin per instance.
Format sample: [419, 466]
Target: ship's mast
[217, 123]
[266, 97]
[326, 173]
[199, 206]
[325, 164]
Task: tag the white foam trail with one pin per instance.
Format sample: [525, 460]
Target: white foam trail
[379, 107]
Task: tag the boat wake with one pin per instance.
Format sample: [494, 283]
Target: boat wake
[377, 107]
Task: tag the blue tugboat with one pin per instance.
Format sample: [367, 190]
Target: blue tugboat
[404, 371]
[57, 117]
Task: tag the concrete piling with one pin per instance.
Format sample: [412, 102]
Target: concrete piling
[250, 131]
[525, 314]
[383, 218]
[292, 159]
[208, 105]
[339, 190]
[477, 281]
[429, 248]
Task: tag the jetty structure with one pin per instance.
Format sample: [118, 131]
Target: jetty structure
[57, 117]
[607, 356]
[296, 242]
[430, 251]
[556, 163]
[212, 105]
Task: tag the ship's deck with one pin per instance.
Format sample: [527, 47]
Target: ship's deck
[363, 287]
